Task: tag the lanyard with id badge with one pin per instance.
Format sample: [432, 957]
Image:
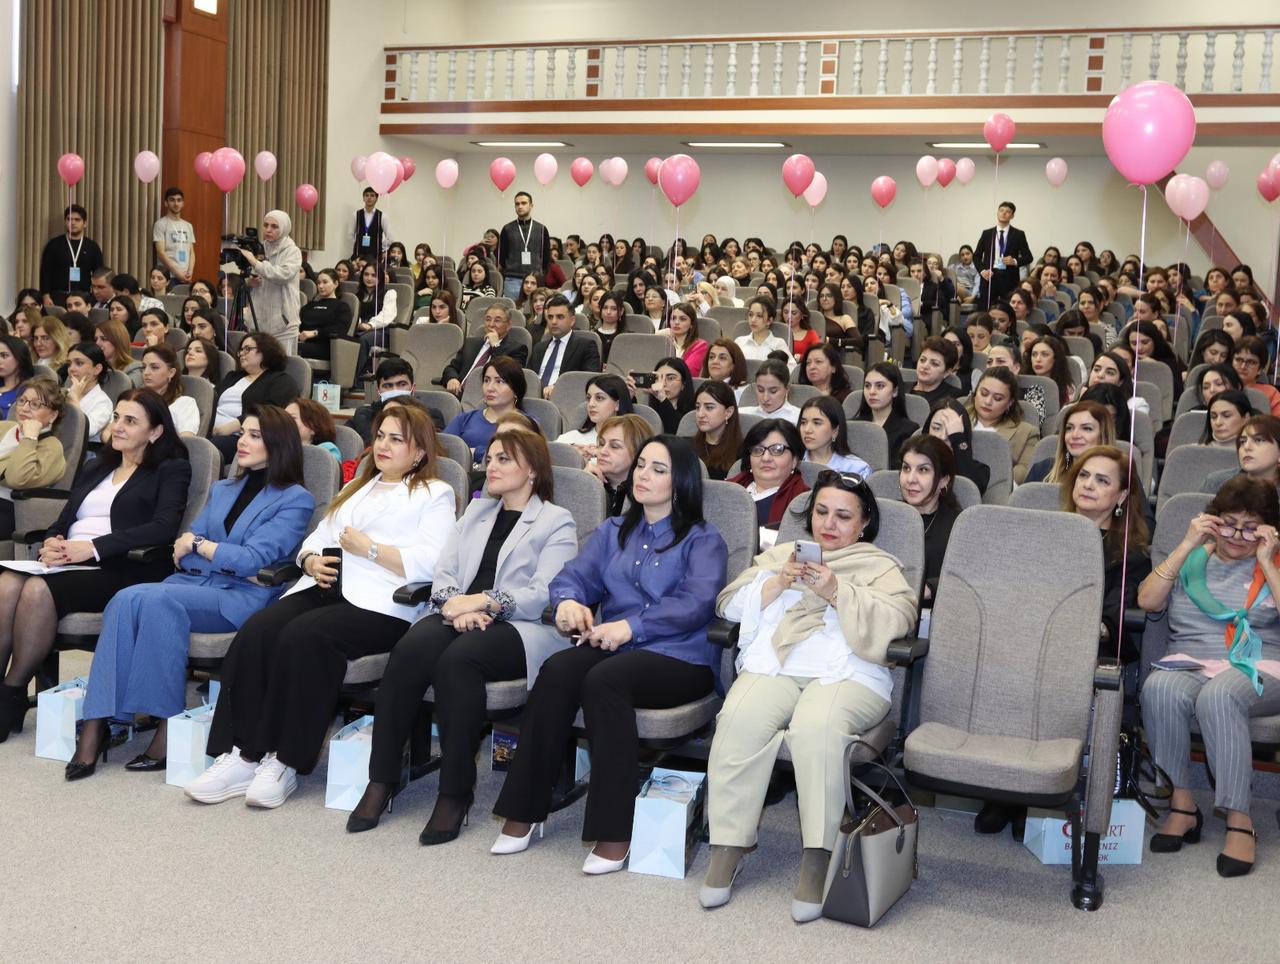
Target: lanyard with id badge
[73, 276]
[526, 258]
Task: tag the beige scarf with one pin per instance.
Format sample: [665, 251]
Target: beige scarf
[874, 603]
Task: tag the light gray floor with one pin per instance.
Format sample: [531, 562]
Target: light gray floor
[121, 867]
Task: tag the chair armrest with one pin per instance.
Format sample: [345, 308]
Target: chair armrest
[907, 650]
[30, 536]
[548, 617]
[1135, 620]
[148, 554]
[42, 492]
[414, 594]
[1106, 676]
[279, 573]
[723, 633]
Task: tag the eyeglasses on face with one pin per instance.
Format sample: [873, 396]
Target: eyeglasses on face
[30, 402]
[1249, 533]
[777, 450]
[246, 349]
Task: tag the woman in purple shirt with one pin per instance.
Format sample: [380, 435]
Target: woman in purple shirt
[654, 574]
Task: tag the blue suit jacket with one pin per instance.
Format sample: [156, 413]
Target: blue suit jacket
[267, 531]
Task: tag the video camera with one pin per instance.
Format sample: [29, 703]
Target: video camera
[231, 245]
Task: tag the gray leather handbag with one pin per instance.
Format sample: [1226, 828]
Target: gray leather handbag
[874, 860]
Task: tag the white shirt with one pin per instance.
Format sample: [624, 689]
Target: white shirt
[759, 351]
[231, 404]
[388, 313]
[94, 516]
[579, 438]
[185, 414]
[97, 408]
[555, 372]
[786, 410]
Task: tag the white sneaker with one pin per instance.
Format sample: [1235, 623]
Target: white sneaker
[272, 784]
[229, 776]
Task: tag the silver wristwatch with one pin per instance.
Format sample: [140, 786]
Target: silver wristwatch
[196, 543]
[373, 552]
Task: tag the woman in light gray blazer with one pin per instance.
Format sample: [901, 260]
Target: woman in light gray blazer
[484, 624]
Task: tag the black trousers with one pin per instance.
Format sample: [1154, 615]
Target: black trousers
[609, 687]
[284, 671]
[458, 665]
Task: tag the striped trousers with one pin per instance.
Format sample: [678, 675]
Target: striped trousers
[1222, 707]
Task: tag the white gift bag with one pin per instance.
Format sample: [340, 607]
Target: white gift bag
[1048, 835]
[349, 752]
[58, 712]
[188, 736]
[667, 827]
[327, 394]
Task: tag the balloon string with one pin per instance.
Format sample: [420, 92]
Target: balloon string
[991, 269]
[1267, 296]
[226, 300]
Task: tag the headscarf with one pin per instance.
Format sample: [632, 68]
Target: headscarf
[286, 225]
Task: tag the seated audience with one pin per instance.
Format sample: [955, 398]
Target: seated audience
[31, 457]
[671, 394]
[949, 421]
[260, 379]
[503, 386]
[1251, 359]
[202, 359]
[1225, 417]
[795, 315]
[496, 342]
[884, 403]
[621, 438]
[726, 363]
[323, 318]
[718, 440]
[315, 425]
[1086, 424]
[16, 369]
[771, 454]
[683, 328]
[1258, 452]
[938, 357]
[1212, 380]
[927, 483]
[757, 343]
[85, 366]
[821, 366]
[160, 374]
[1047, 357]
[155, 325]
[607, 396]
[772, 384]
[209, 325]
[824, 432]
[995, 408]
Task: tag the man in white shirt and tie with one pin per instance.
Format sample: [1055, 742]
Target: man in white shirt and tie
[999, 254]
[563, 349]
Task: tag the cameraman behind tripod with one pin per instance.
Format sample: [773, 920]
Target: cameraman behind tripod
[274, 297]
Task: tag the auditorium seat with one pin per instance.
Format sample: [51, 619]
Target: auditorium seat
[885, 485]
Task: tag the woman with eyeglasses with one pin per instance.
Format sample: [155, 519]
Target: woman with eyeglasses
[1250, 359]
[812, 669]
[654, 574]
[771, 454]
[31, 457]
[259, 379]
[1218, 588]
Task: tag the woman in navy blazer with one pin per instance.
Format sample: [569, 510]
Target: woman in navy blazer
[133, 495]
[253, 520]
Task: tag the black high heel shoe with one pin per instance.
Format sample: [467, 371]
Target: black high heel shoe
[1231, 866]
[357, 824]
[1169, 843]
[78, 771]
[13, 709]
[146, 764]
[430, 837]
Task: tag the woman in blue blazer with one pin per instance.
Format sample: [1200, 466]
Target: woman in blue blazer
[251, 521]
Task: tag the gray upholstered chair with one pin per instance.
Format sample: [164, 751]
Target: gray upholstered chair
[884, 485]
[992, 450]
[868, 442]
[1046, 496]
[456, 448]
[1185, 469]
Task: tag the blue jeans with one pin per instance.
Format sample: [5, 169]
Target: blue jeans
[511, 287]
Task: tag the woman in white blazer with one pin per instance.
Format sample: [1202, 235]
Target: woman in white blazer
[484, 624]
[283, 673]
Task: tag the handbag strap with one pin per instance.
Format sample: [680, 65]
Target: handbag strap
[854, 783]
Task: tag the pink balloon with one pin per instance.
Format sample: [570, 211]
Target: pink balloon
[410, 167]
[946, 171]
[1216, 175]
[1148, 130]
[581, 170]
[307, 196]
[1173, 192]
[1267, 186]
[226, 167]
[147, 166]
[358, 164]
[965, 169]
[447, 173]
[380, 171]
[998, 131]
[1056, 171]
[606, 170]
[399, 179]
[651, 167]
[202, 166]
[264, 164]
[927, 170]
[1273, 168]
[502, 172]
[883, 190]
[1195, 198]
[817, 189]
[71, 169]
[679, 176]
[545, 167]
[620, 171]
[797, 173]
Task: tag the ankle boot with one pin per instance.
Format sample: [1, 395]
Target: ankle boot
[13, 709]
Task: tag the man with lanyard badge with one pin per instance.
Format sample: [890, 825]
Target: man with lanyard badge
[524, 247]
[69, 259]
[371, 232]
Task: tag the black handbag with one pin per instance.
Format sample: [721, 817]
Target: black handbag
[874, 860]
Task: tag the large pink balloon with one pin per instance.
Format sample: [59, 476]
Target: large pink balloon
[965, 169]
[946, 171]
[502, 171]
[71, 169]
[202, 166]
[307, 196]
[264, 165]
[147, 166]
[1273, 169]
[1267, 186]
[651, 167]
[447, 173]
[998, 131]
[545, 167]
[399, 179]
[358, 164]
[797, 173]
[410, 167]
[1216, 175]
[380, 171]
[226, 167]
[1148, 130]
[581, 170]
[679, 176]
[1056, 171]
[1195, 198]
[817, 189]
[883, 190]
[927, 170]
[620, 171]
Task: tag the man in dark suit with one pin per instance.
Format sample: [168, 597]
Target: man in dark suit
[564, 349]
[999, 253]
[476, 352]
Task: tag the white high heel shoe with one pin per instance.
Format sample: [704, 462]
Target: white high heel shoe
[596, 865]
[506, 844]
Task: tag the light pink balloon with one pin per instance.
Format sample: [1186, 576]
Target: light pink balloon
[883, 190]
[147, 166]
[1173, 190]
[1216, 175]
[1148, 129]
[927, 170]
[606, 170]
[998, 131]
[226, 167]
[1056, 171]
[651, 167]
[946, 171]
[1195, 198]
[380, 171]
[202, 166]
[965, 170]
[502, 171]
[410, 167]
[817, 189]
[447, 173]
[71, 169]
[581, 170]
[264, 165]
[1267, 186]
[399, 175]
[620, 171]
[358, 164]
[679, 177]
[797, 173]
[307, 196]
[545, 167]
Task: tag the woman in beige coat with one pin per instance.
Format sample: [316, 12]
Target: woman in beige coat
[994, 407]
[31, 456]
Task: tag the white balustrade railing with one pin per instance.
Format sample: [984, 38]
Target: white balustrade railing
[1088, 62]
